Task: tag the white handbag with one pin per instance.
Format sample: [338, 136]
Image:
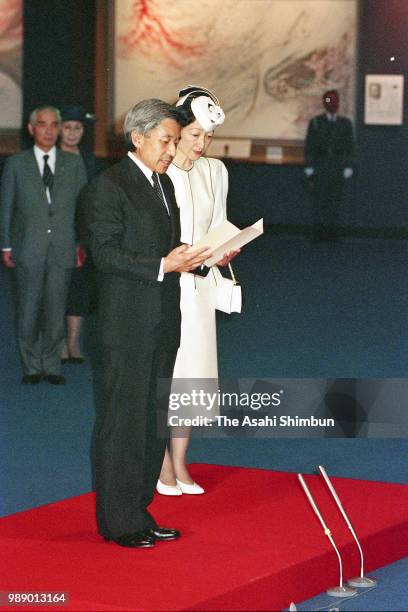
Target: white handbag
[228, 293]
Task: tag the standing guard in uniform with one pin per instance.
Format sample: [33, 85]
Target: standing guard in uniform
[329, 154]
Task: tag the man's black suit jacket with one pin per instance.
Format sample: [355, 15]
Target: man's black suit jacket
[329, 144]
[129, 232]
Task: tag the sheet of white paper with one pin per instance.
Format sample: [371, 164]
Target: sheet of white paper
[227, 237]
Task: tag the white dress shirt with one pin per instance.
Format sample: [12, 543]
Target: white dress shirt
[149, 174]
[52, 157]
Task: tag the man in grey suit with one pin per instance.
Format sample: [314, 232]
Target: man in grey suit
[39, 190]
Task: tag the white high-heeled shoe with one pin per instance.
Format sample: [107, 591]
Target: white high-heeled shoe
[190, 489]
[171, 490]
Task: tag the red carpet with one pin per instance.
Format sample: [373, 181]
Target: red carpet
[251, 543]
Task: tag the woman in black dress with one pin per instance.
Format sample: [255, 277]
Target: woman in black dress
[81, 289]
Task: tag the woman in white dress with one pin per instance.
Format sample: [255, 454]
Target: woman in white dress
[201, 186]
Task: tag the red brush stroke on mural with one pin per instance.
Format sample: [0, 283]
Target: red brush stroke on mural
[149, 35]
[11, 30]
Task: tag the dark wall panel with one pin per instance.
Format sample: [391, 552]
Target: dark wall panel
[382, 181]
[59, 44]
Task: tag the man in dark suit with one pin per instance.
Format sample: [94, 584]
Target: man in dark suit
[39, 190]
[329, 153]
[133, 226]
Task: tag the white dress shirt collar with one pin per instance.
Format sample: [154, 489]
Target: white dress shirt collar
[148, 174]
[39, 156]
[146, 171]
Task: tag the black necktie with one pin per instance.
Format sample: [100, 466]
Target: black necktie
[158, 190]
[48, 177]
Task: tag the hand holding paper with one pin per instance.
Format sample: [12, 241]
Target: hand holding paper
[227, 237]
[182, 259]
[228, 257]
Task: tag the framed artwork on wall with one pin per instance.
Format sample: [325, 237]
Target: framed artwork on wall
[11, 51]
[268, 61]
[384, 99]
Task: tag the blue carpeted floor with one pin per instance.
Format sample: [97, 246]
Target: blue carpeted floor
[319, 310]
[389, 595]
[325, 310]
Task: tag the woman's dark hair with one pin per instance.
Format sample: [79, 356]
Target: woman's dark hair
[186, 113]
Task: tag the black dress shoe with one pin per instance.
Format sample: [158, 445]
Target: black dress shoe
[162, 534]
[77, 360]
[55, 379]
[140, 539]
[31, 379]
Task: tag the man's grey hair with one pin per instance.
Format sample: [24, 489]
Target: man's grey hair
[146, 115]
[33, 115]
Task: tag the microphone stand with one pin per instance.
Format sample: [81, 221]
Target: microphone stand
[360, 581]
[341, 590]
